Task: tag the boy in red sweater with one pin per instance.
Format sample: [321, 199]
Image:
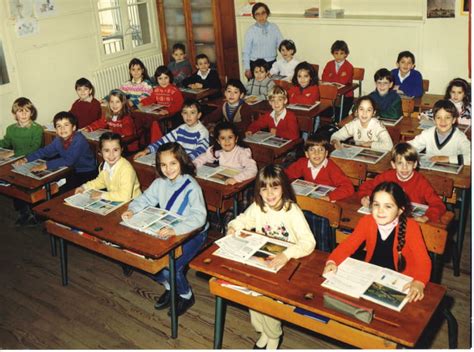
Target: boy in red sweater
[340, 71]
[415, 185]
[316, 167]
[280, 122]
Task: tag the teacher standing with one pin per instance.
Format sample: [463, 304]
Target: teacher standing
[261, 40]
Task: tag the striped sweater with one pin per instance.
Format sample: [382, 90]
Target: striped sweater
[136, 91]
[194, 139]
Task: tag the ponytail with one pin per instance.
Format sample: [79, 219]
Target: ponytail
[401, 241]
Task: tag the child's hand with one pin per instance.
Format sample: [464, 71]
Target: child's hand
[440, 159]
[95, 195]
[230, 231]
[192, 86]
[336, 144]
[198, 85]
[415, 291]
[366, 144]
[421, 219]
[39, 167]
[278, 260]
[21, 161]
[330, 267]
[162, 112]
[79, 190]
[142, 153]
[326, 198]
[248, 133]
[127, 215]
[248, 74]
[230, 181]
[273, 131]
[6, 154]
[365, 201]
[166, 232]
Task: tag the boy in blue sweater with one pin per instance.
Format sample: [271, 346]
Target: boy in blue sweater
[192, 134]
[389, 104]
[407, 80]
[70, 149]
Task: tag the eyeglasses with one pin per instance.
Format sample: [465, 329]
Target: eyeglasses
[317, 150]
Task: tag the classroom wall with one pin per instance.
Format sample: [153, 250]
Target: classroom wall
[45, 66]
[439, 45]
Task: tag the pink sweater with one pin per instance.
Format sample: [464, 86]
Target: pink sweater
[238, 158]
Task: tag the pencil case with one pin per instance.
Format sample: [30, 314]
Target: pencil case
[348, 308]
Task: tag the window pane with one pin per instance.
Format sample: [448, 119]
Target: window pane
[106, 4]
[203, 29]
[174, 22]
[139, 27]
[111, 30]
[3, 67]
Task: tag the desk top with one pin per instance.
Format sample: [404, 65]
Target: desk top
[307, 279]
[199, 93]
[108, 227]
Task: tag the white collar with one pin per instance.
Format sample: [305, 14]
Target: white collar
[403, 78]
[280, 117]
[110, 169]
[386, 230]
[203, 75]
[319, 167]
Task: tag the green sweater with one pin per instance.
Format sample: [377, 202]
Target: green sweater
[23, 140]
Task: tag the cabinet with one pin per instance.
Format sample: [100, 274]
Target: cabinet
[205, 27]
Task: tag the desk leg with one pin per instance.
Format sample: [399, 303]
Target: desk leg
[452, 328]
[461, 229]
[219, 323]
[52, 242]
[437, 267]
[174, 318]
[340, 108]
[48, 191]
[63, 258]
[236, 205]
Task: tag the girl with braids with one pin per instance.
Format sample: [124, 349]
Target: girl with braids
[388, 230]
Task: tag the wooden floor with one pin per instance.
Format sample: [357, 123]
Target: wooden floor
[100, 308]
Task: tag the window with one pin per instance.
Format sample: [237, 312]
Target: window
[124, 25]
[3, 67]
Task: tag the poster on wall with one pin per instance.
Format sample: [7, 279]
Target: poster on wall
[26, 26]
[441, 8]
[45, 8]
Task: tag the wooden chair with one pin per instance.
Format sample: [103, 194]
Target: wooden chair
[408, 106]
[328, 210]
[284, 84]
[426, 85]
[316, 69]
[328, 93]
[358, 75]
[443, 186]
[355, 170]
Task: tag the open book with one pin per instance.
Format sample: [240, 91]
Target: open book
[277, 77]
[390, 122]
[335, 84]
[98, 206]
[193, 91]
[7, 156]
[310, 189]
[215, 173]
[427, 164]
[151, 220]
[417, 209]
[253, 99]
[365, 155]
[25, 170]
[266, 138]
[359, 279]
[94, 135]
[251, 248]
[150, 108]
[304, 107]
[148, 159]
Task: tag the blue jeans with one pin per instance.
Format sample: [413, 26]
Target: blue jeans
[321, 230]
[190, 250]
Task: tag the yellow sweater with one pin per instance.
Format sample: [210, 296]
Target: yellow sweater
[122, 187]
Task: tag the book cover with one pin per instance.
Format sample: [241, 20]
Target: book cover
[390, 122]
[304, 107]
[7, 156]
[25, 170]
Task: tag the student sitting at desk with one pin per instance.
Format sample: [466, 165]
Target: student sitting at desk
[87, 109]
[24, 136]
[116, 173]
[165, 93]
[177, 191]
[275, 214]
[192, 134]
[280, 122]
[260, 85]
[392, 240]
[444, 142]
[316, 167]
[415, 185]
[407, 80]
[365, 129]
[180, 67]
[286, 65]
[234, 109]
[389, 104]
[204, 77]
[139, 85]
[305, 85]
[70, 149]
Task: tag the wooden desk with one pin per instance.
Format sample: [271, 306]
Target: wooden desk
[265, 155]
[163, 120]
[341, 92]
[199, 94]
[307, 279]
[427, 101]
[157, 253]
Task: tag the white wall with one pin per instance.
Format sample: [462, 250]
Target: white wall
[439, 45]
[44, 67]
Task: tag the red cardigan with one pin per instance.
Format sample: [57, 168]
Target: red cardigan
[331, 175]
[418, 190]
[343, 76]
[287, 128]
[308, 95]
[125, 127]
[418, 263]
[170, 97]
[86, 112]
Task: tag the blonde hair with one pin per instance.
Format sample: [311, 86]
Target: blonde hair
[24, 103]
[275, 91]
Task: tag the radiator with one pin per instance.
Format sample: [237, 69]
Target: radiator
[112, 77]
